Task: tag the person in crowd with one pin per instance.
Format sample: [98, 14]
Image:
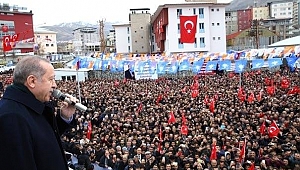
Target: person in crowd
[234, 113]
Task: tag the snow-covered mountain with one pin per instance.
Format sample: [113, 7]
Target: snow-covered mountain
[65, 30]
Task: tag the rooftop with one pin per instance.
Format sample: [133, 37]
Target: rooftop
[40, 30]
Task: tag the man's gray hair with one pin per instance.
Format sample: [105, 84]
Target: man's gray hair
[29, 66]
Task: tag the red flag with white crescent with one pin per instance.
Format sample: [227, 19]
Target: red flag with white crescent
[188, 27]
[6, 43]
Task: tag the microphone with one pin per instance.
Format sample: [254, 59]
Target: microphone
[59, 95]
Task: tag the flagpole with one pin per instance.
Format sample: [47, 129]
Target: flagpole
[78, 86]
[240, 80]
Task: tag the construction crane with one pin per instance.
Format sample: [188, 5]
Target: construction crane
[102, 37]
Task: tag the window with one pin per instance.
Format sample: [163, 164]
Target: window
[128, 39]
[47, 36]
[52, 45]
[179, 12]
[218, 24]
[218, 9]
[129, 49]
[142, 37]
[47, 45]
[142, 47]
[180, 44]
[194, 11]
[202, 42]
[195, 43]
[212, 10]
[128, 30]
[201, 27]
[201, 12]
[178, 28]
[219, 38]
[214, 38]
[213, 24]
[142, 28]
[38, 36]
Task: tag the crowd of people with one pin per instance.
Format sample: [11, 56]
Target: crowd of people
[138, 124]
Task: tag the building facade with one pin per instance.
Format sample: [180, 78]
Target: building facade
[45, 41]
[281, 27]
[210, 32]
[231, 22]
[282, 9]
[123, 38]
[260, 13]
[140, 30]
[135, 36]
[19, 21]
[245, 16]
[86, 40]
[111, 41]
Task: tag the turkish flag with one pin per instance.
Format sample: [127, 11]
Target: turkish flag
[271, 90]
[184, 130]
[294, 90]
[140, 108]
[4, 28]
[195, 85]
[273, 129]
[183, 119]
[14, 39]
[89, 132]
[243, 151]
[213, 155]
[252, 167]
[206, 100]
[262, 128]
[212, 106]
[188, 27]
[183, 90]
[195, 93]
[159, 98]
[160, 140]
[171, 118]
[285, 83]
[6, 43]
[251, 97]
[241, 94]
[267, 81]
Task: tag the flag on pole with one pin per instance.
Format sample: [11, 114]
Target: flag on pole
[89, 132]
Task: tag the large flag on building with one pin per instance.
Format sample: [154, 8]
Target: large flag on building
[188, 27]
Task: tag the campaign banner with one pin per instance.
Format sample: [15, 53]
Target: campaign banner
[145, 70]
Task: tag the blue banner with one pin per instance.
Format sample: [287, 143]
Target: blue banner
[211, 65]
[274, 62]
[240, 65]
[257, 63]
[225, 65]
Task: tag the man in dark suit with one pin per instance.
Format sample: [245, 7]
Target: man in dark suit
[129, 74]
[30, 130]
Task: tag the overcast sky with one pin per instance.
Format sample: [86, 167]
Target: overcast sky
[59, 11]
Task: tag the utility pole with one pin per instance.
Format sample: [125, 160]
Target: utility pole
[102, 37]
